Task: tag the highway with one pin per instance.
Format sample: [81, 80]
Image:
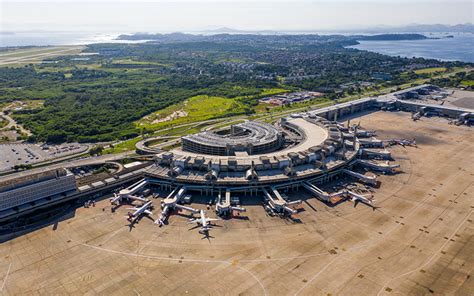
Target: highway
[71, 163]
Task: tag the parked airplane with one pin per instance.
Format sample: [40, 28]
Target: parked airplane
[402, 142]
[203, 221]
[356, 198]
[171, 202]
[139, 211]
[416, 116]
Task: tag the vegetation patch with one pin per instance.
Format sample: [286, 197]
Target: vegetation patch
[196, 108]
[3, 122]
[467, 82]
[129, 63]
[123, 146]
[430, 70]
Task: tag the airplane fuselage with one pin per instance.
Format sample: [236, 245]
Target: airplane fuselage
[141, 210]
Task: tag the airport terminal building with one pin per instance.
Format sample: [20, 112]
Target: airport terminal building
[32, 190]
[301, 150]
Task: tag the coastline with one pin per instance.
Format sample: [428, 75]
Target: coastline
[456, 48]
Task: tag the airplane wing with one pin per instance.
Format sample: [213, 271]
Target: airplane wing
[148, 212]
[212, 219]
[191, 221]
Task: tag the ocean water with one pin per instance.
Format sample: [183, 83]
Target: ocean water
[459, 48]
[44, 38]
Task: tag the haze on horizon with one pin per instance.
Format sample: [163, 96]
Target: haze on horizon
[195, 15]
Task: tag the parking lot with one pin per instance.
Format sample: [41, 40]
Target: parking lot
[24, 154]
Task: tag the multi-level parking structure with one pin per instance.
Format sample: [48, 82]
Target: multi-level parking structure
[250, 137]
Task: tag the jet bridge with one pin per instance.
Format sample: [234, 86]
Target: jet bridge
[365, 133]
[171, 202]
[344, 193]
[133, 188]
[372, 180]
[370, 143]
[128, 193]
[277, 204]
[224, 207]
[377, 166]
[370, 153]
[320, 194]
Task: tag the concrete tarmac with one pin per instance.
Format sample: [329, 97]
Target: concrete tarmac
[419, 242]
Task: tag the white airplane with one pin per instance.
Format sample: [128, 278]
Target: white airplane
[402, 142]
[356, 198]
[138, 211]
[118, 198]
[203, 221]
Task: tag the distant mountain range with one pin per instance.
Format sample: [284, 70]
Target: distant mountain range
[437, 28]
[226, 30]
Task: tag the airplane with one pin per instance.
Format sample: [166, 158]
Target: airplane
[416, 116]
[118, 198]
[139, 211]
[402, 142]
[203, 221]
[356, 198]
[164, 214]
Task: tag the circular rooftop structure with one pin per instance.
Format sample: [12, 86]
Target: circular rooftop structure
[319, 150]
[250, 137]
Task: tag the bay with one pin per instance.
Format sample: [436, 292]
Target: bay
[458, 48]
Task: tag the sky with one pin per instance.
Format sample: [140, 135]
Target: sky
[196, 15]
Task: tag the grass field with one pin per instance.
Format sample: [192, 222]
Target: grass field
[197, 108]
[268, 108]
[467, 82]
[272, 91]
[3, 122]
[131, 62]
[431, 70]
[124, 146]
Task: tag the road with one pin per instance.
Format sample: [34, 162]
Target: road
[12, 123]
[71, 164]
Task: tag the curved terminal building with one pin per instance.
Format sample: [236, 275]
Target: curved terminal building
[255, 154]
[249, 137]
